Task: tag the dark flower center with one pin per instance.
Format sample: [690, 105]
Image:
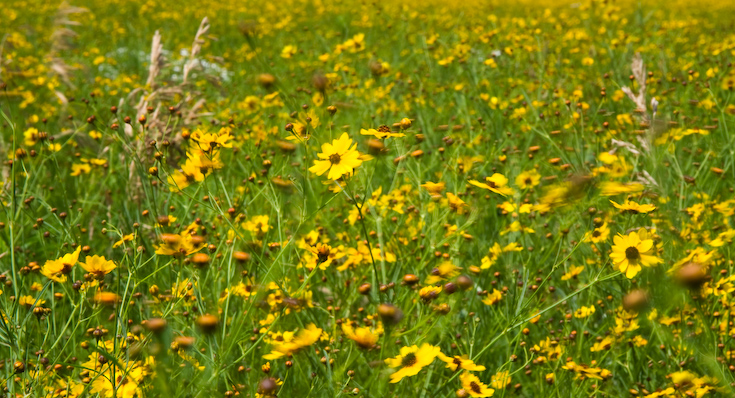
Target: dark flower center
[596, 233]
[632, 254]
[457, 362]
[334, 158]
[475, 388]
[528, 181]
[384, 129]
[408, 360]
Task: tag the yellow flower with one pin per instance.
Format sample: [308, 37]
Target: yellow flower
[411, 360]
[382, 132]
[611, 188]
[602, 345]
[600, 234]
[340, 158]
[258, 225]
[293, 342]
[98, 266]
[493, 297]
[455, 203]
[363, 336]
[456, 362]
[125, 238]
[79, 169]
[209, 141]
[429, 293]
[325, 254]
[30, 136]
[528, 179]
[181, 244]
[190, 172]
[573, 272]
[500, 380]
[474, 386]
[444, 271]
[496, 183]
[630, 253]
[288, 51]
[634, 208]
[56, 270]
[434, 188]
[584, 312]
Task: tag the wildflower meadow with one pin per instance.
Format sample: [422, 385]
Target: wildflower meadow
[318, 198]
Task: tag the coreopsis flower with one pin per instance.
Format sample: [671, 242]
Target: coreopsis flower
[411, 360]
[292, 342]
[98, 266]
[602, 345]
[456, 363]
[209, 141]
[325, 254]
[500, 380]
[79, 169]
[56, 270]
[381, 132]
[365, 337]
[631, 252]
[584, 312]
[493, 298]
[573, 272]
[445, 270]
[429, 293]
[632, 207]
[612, 188]
[339, 158]
[474, 386]
[181, 244]
[528, 179]
[190, 172]
[258, 225]
[125, 238]
[586, 372]
[455, 203]
[497, 183]
[599, 234]
[434, 188]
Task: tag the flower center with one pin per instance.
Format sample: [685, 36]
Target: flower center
[632, 254]
[334, 158]
[528, 181]
[596, 233]
[475, 388]
[408, 360]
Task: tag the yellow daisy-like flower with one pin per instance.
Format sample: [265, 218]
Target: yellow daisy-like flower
[294, 342]
[630, 253]
[340, 158]
[411, 360]
[56, 270]
[381, 132]
[634, 208]
[434, 188]
[612, 188]
[325, 254]
[528, 179]
[455, 203]
[473, 386]
[365, 337]
[496, 183]
[98, 266]
[456, 362]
